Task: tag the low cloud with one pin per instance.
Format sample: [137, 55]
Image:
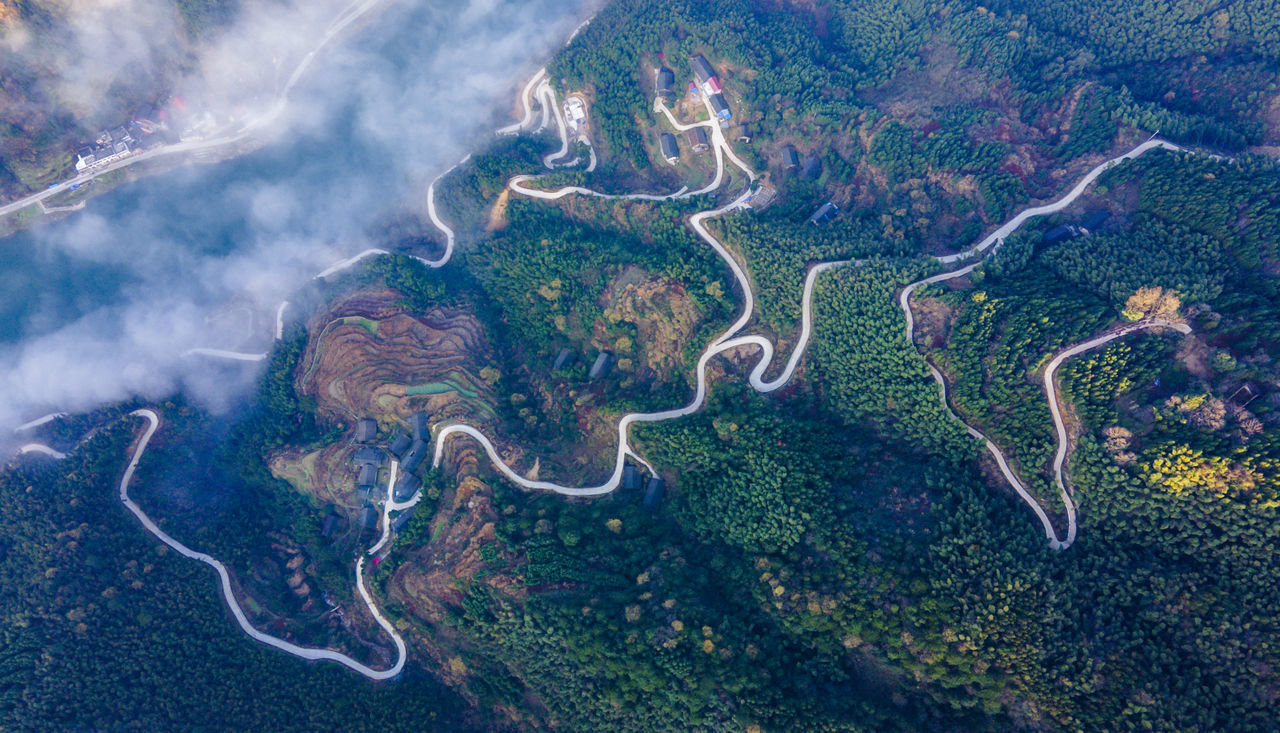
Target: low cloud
[204, 254]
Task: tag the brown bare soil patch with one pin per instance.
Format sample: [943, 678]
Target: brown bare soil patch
[498, 214]
[933, 322]
[663, 314]
[366, 355]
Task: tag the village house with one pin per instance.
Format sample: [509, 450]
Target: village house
[368, 518]
[368, 476]
[721, 108]
[665, 83]
[630, 477]
[415, 456]
[702, 68]
[563, 359]
[790, 157]
[600, 367]
[403, 519]
[406, 486]
[366, 430]
[824, 214]
[110, 146]
[653, 493]
[670, 149]
[698, 141]
[418, 423]
[400, 445]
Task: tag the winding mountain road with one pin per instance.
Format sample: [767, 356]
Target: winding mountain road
[729, 340]
[344, 19]
[992, 242]
[228, 592]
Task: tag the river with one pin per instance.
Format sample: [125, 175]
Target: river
[100, 306]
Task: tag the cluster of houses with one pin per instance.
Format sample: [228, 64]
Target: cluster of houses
[409, 449]
[599, 368]
[654, 489]
[143, 133]
[707, 85]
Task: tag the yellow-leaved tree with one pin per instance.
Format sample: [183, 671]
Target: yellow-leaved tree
[1153, 302]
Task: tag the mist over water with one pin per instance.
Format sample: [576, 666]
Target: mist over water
[99, 307]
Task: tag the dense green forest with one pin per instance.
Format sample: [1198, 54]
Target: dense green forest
[105, 629]
[837, 555]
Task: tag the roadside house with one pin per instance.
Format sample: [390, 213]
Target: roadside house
[630, 477]
[368, 518]
[670, 149]
[698, 139]
[1060, 234]
[721, 107]
[406, 486]
[414, 457]
[665, 83]
[701, 68]
[744, 133]
[653, 493]
[400, 521]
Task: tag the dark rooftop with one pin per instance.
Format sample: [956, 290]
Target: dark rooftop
[600, 367]
[400, 521]
[1060, 234]
[1094, 219]
[666, 81]
[366, 430]
[670, 149]
[563, 359]
[368, 475]
[414, 457]
[721, 106]
[421, 429]
[369, 455]
[812, 167]
[701, 67]
[630, 477]
[824, 214]
[368, 517]
[698, 137]
[790, 157]
[653, 493]
[406, 486]
[400, 444]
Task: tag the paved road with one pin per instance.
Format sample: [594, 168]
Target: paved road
[1055, 407]
[344, 19]
[730, 340]
[992, 242]
[726, 341]
[42, 449]
[228, 592]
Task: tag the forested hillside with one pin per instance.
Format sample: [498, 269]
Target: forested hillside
[839, 554]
